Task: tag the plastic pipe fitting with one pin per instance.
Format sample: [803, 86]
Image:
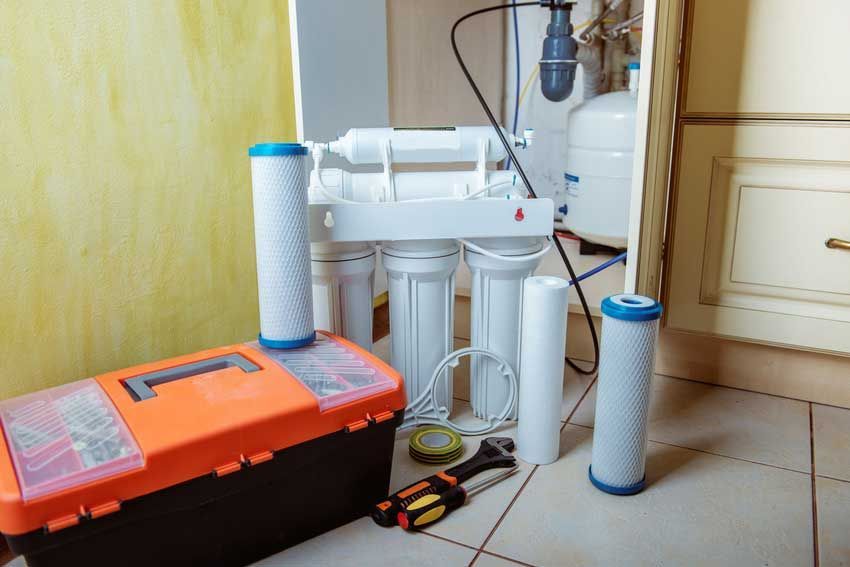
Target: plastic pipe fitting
[558, 61]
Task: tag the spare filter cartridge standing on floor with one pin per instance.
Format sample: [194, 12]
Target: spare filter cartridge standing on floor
[541, 368]
[279, 180]
[626, 365]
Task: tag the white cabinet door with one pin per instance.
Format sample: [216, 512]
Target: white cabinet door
[767, 58]
[754, 205]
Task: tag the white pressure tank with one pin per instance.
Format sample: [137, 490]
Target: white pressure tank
[598, 174]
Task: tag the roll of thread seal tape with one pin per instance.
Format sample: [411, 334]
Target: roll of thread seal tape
[281, 230]
[626, 367]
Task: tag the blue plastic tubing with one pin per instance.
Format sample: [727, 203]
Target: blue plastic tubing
[600, 267]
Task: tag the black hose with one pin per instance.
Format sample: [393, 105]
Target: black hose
[525, 180]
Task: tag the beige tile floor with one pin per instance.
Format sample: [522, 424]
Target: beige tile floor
[734, 478]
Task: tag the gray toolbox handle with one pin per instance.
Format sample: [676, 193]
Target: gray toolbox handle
[141, 387]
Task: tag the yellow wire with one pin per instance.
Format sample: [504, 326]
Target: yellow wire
[528, 82]
[536, 70]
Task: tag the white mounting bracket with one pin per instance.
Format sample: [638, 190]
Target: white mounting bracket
[428, 220]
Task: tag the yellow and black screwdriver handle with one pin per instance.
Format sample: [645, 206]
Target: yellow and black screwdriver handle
[386, 513]
[494, 452]
[428, 509]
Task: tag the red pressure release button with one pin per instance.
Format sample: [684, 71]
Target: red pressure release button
[519, 216]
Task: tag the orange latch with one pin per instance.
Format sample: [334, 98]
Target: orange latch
[62, 523]
[357, 425]
[227, 469]
[383, 416]
[104, 509]
[259, 458]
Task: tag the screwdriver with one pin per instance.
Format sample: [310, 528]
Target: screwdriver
[494, 452]
[432, 507]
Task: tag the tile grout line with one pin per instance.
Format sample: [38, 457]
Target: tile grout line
[695, 381]
[844, 480]
[505, 513]
[447, 540]
[578, 403]
[524, 484]
[815, 542]
[703, 451]
[506, 558]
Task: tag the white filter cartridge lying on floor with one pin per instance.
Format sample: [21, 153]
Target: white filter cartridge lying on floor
[279, 181]
[626, 365]
[541, 368]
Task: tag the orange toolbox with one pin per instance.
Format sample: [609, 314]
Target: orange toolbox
[217, 458]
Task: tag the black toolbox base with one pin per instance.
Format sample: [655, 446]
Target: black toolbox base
[235, 519]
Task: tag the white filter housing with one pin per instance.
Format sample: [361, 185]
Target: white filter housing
[279, 182]
[419, 145]
[495, 316]
[343, 284]
[598, 174]
[421, 284]
[626, 365]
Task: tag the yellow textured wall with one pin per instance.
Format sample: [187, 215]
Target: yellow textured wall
[125, 199]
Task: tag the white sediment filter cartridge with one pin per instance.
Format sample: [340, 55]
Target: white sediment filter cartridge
[626, 366]
[281, 230]
[541, 368]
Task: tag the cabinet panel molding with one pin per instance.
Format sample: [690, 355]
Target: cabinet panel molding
[766, 58]
[767, 226]
[754, 205]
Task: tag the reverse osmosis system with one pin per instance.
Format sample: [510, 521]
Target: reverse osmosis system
[422, 224]
[328, 228]
[422, 220]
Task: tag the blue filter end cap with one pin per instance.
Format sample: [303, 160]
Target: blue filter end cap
[630, 307]
[615, 490]
[269, 343]
[277, 149]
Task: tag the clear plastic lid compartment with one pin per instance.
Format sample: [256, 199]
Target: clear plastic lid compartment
[335, 373]
[66, 436]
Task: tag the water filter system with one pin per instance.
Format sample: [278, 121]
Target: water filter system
[626, 365]
[422, 219]
[318, 238]
[518, 320]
